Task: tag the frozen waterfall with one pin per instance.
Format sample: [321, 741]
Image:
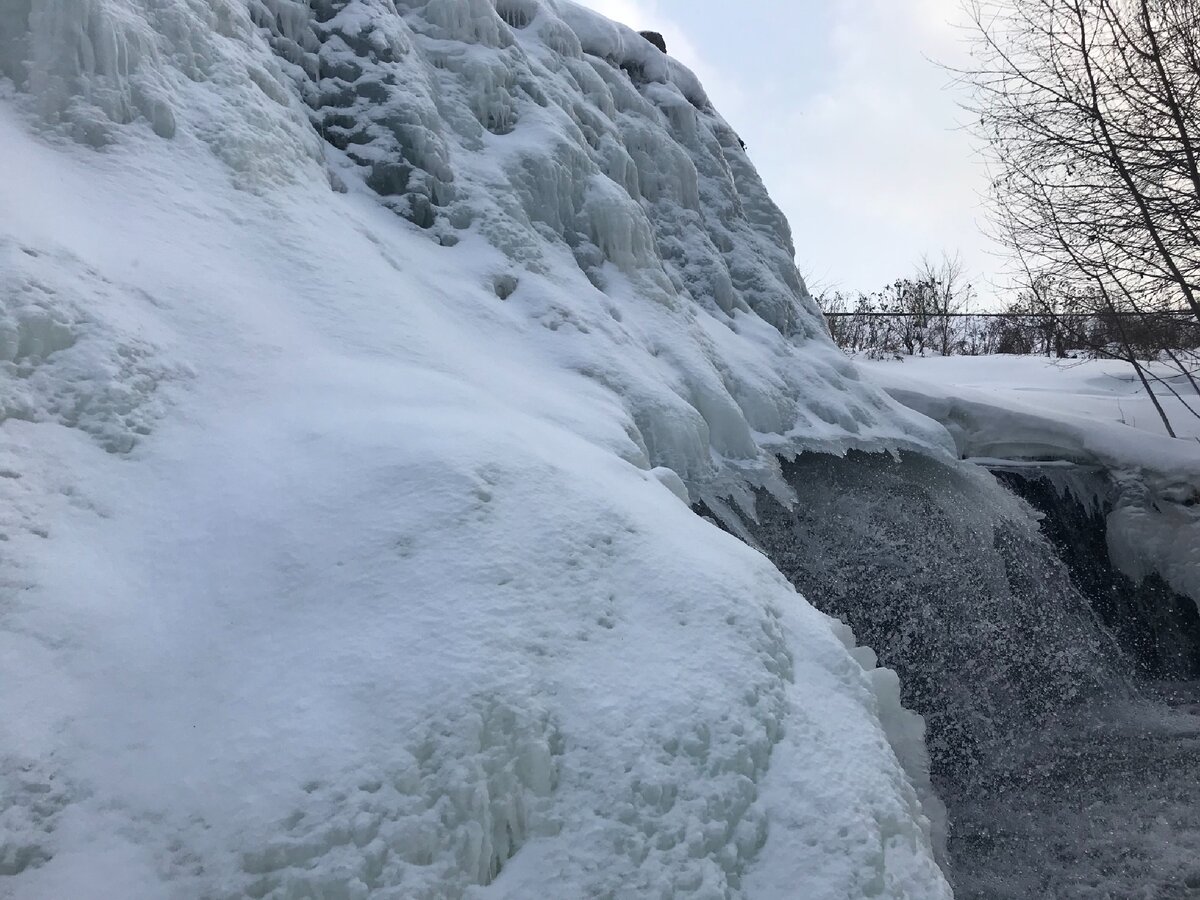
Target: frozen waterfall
[362, 363]
[1065, 759]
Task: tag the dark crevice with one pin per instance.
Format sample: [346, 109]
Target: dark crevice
[1157, 628]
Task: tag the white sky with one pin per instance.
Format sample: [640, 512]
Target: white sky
[851, 125]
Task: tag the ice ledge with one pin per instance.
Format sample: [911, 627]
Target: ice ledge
[626, 48]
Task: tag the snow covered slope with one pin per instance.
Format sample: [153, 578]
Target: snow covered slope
[356, 360]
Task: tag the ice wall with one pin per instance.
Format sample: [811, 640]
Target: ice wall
[93, 67]
[541, 128]
[545, 128]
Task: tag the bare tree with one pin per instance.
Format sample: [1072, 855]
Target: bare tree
[945, 294]
[924, 311]
[1090, 110]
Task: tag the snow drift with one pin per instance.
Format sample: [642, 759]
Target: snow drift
[356, 359]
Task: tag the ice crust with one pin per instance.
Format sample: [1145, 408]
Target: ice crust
[407, 327]
[67, 353]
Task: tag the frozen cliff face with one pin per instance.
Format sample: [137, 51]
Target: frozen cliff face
[357, 361]
[540, 129]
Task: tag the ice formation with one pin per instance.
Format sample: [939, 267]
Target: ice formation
[356, 359]
[65, 354]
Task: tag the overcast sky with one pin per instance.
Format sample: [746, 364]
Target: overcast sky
[852, 127]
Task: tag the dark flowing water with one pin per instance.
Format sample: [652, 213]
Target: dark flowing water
[1066, 771]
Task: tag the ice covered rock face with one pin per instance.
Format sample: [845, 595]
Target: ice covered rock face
[544, 130]
[93, 66]
[357, 358]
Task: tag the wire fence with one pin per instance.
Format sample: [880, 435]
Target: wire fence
[883, 333]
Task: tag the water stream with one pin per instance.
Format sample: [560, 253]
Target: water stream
[1061, 700]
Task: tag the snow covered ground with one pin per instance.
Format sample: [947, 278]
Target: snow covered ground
[1101, 390]
[344, 543]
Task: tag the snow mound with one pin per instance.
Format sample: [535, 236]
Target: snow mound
[398, 598]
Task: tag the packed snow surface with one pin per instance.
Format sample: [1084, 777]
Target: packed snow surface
[358, 361]
[1029, 407]
[1070, 419]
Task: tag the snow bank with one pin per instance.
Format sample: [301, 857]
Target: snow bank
[340, 479]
